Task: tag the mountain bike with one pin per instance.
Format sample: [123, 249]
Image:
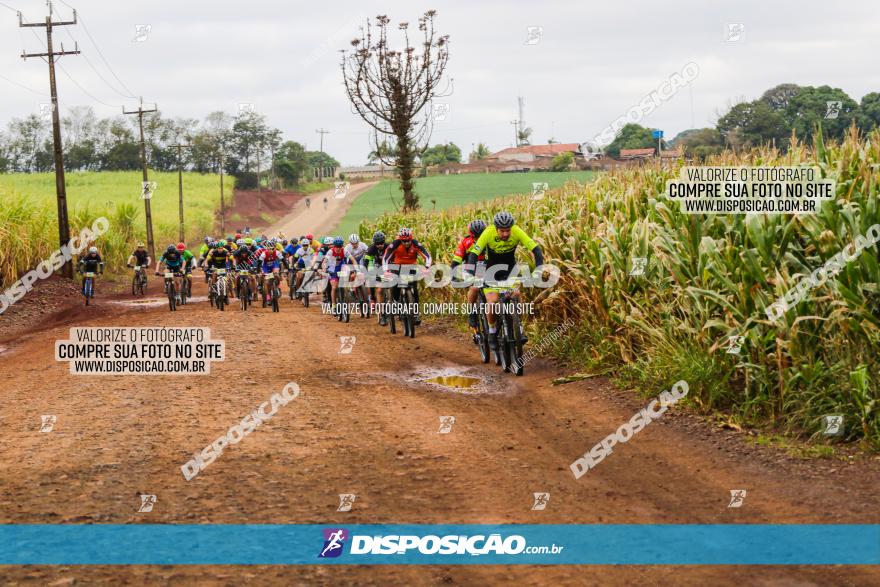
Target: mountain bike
[343, 296]
[405, 297]
[88, 287]
[221, 298]
[510, 334]
[172, 289]
[243, 290]
[481, 332]
[139, 281]
[308, 277]
[272, 289]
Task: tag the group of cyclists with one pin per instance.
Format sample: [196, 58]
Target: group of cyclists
[239, 258]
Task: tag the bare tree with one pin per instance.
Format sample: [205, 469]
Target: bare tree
[389, 88]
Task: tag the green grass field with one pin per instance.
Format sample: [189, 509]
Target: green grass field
[449, 191]
[28, 215]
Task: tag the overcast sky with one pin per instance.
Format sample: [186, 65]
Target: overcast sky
[593, 62]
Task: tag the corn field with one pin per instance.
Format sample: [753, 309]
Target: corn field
[29, 221]
[709, 277]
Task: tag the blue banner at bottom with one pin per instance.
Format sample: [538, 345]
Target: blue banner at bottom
[453, 544]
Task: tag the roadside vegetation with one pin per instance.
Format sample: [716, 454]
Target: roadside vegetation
[708, 277]
[29, 225]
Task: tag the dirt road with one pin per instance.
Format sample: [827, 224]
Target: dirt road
[315, 218]
[366, 424]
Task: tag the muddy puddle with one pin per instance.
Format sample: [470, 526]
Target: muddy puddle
[452, 379]
[153, 302]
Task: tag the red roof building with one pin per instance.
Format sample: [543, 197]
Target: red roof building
[627, 154]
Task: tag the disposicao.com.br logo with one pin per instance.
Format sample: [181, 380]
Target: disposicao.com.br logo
[429, 545]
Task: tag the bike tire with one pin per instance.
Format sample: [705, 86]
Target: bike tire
[504, 343]
[483, 340]
[516, 345]
[172, 298]
[409, 300]
[135, 283]
[276, 294]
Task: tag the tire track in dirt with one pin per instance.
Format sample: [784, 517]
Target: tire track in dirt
[360, 427]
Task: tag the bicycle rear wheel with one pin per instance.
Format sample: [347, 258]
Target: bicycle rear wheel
[515, 344]
[483, 339]
[172, 297]
[408, 300]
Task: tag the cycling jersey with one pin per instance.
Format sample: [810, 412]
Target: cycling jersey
[217, 258]
[172, 260]
[374, 254]
[187, 257]
[91, 262]
[271, 259]
[398, 254]
[502, 252]
[242, 258]
[203, 251]
[356, 252]
[141, 257]
[462, 249]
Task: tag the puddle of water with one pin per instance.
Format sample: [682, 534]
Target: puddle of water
[455, 381]
[150, 302]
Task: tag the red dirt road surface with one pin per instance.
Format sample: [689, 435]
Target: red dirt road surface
[366, 423]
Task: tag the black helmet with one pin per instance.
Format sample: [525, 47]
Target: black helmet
[171, 249]
[476, 227]
[503, 220]
[378, 237]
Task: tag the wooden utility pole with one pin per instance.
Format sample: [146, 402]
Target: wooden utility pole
[222, 202]
[182, 231]
[140, 112]
[322, 132]
[60, 186]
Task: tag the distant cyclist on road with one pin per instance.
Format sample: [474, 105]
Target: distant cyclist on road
[91, 263]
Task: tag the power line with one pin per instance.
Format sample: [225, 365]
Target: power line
[22, 86]
[9, 7]
[104, 59]
[85, 91]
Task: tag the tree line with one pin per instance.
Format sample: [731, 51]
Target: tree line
[770, 119]
[245, 145]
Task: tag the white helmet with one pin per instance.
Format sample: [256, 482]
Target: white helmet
[354, 239]
[93, 250]
[305, 242]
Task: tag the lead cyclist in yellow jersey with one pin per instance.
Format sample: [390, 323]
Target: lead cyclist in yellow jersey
[500, 241]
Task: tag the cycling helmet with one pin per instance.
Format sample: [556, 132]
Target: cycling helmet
[229, 237]
[284, 242]
[354, 239]
[405, 234]
[239, 242]
[310, 236]
[141, 245]
[93, 250]
[208, 239]
[503, 220]
[338, 242]
[221, 243]
[248, 241]
[237, 236]
[328, 240]
[378, 237]
[476, 227]
[181, 247]
[305, 242]
[258, 240]
[171, 249]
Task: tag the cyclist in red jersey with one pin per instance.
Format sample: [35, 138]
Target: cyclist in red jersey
[405, 250]
[475, 229]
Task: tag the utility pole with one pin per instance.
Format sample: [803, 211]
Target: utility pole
[140, 112]
[222, 202]
[182, 231]
[322, 132]
[515, 124]
[60, 187]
